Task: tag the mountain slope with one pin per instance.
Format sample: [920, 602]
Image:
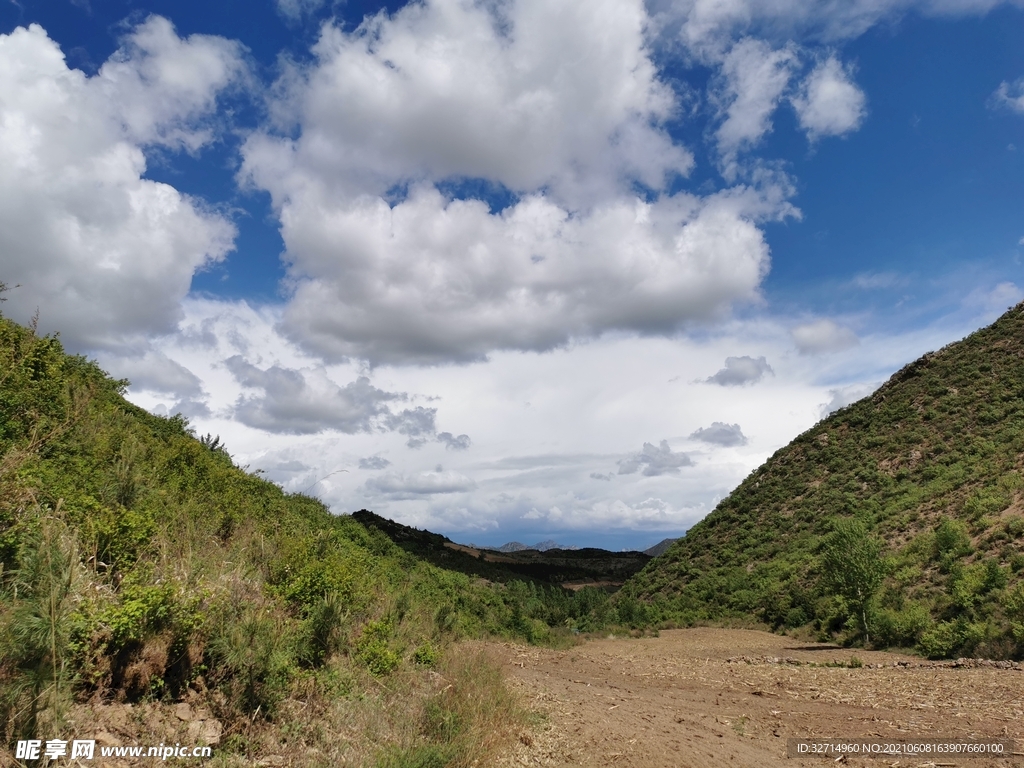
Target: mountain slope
[139, 564]
[931, 467]
[570, 568]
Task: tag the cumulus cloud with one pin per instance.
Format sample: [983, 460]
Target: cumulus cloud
[374, 462]
[398, 485]
[167, 87]
[741, 370]
[1010, 95]
[557, 104]
[754, 78]
[567, 91]
[823, 336]
[829, 103]
[75, 213]
[720, 433]
[655, 460]
[432, 280]
[306, 402]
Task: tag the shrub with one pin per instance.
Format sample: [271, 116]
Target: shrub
[323, 630]
[249, 655]
[36, 626]
[902, 627]
[951, 638]
[373, 650]
[426, 655]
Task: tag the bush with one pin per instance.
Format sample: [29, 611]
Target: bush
[36, 624]
[426, 655]
[323, 630]
[250, 657]
[373, 650]
[901, 628]
[951, 639]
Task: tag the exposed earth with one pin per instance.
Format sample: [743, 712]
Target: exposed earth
[714, 697]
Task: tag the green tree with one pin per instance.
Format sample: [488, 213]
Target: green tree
[853, 567]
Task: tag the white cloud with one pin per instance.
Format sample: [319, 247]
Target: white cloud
[741, 370]
[566, 91]
[547, 429]
[1010, 95]
[432, 280]
[823, 336]
[558, 103]
[829, 103]
[755, 76]
[720, 433]
[166, 87]
[105, 255]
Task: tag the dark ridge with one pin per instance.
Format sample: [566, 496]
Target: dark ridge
[572, 568]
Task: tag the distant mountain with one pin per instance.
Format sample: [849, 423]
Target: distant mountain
[544, 546]
[516, 546]
[544, 563]
[512, 546]
[922, 483]
[660, 547]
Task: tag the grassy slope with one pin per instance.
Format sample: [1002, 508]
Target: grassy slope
[137, 563]
[932, 465]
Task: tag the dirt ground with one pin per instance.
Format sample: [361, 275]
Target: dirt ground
[714, 697]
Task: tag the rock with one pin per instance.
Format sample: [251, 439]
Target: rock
[212, 731]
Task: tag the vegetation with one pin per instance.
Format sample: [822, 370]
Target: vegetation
[897, 521]
[139, 564]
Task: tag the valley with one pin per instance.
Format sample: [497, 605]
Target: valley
[712, 697]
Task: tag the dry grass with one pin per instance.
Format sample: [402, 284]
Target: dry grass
[458, 714]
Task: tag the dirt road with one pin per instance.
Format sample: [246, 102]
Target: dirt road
[714, 697]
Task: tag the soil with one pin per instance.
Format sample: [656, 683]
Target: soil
[714, 697]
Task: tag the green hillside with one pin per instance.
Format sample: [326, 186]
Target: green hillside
[898, 520]
[138, 564]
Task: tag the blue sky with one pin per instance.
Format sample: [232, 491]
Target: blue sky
[523, 270]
